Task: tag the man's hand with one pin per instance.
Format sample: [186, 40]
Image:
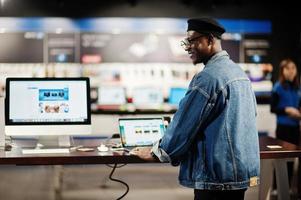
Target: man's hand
[143, 153]
[293, 112]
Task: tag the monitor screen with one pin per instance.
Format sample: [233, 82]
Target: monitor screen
[111, 95]
[47, 101]
[140, 131]
[147, 96]
[175, 95]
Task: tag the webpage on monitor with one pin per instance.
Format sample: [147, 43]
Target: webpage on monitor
[47, 106]
[47, 101]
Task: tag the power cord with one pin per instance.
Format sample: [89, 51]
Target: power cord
[117, 180]
[112, 166]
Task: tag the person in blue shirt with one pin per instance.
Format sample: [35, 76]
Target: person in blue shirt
[213, 134]
[286, 102]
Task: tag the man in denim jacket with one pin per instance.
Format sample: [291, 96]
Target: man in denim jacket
[213, 135]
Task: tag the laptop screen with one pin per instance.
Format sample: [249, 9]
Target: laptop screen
[176, 95]
[111, 95]
[147, 96]
[140, 131]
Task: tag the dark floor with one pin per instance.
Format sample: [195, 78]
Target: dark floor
[90, 182]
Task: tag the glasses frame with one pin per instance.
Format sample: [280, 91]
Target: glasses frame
[188, 41]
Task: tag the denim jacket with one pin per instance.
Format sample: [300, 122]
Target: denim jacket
[213, 135]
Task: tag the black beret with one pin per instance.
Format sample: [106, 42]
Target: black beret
[206, 25]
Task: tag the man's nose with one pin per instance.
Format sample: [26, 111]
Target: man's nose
[187, 48]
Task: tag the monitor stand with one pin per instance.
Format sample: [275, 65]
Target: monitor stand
[50, 145]
[54, 141]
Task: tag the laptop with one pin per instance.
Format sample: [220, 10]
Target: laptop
[138, 132]
[176, 94]
[147, 98]
[111, 97]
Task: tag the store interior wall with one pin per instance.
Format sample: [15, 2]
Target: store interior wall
[285, 38]
[285, 16]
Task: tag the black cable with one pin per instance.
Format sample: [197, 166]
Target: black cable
[119, 181]
[111, 166]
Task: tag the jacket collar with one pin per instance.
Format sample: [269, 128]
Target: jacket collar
[216, 56]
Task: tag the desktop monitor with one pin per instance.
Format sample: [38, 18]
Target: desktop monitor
[111, 95]
[147, 96]
[47, 106]
[175, 95]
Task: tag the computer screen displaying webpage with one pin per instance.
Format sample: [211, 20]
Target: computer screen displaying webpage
[111, 95]
[147, 96]
[176, 95]
[48, 101]
[141, 132]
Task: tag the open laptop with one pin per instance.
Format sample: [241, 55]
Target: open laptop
[148, 98]
[137, 132]
[111, 97]
[176, 94]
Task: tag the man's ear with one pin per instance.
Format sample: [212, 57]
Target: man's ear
[210, 39]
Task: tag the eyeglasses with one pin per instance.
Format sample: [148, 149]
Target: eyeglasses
[188, 41]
